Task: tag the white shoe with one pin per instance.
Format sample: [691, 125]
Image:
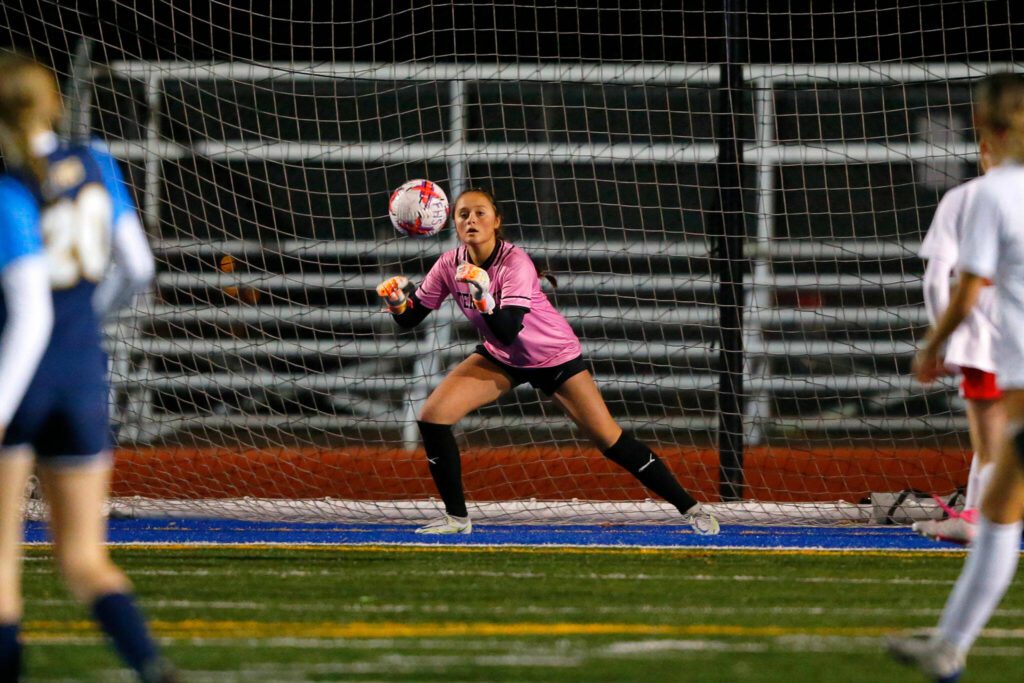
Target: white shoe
[447, 525]
[954, 530]
[702, 521]
[932, 655]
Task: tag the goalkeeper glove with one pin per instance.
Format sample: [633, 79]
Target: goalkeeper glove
[395, 291]
[479, 286]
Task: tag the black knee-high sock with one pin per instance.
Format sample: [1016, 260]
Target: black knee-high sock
[643, 464]
[10, 652]
[445, 466]
[120, 618]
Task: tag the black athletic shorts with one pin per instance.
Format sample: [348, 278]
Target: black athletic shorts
[546, 379]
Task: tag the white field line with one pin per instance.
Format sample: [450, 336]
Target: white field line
[429, 644]
[564, 655]
[443, 608]
[615, 576]
[795, 643]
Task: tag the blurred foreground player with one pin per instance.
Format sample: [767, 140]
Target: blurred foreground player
[63, 210]
[994, 252]
[970, 352]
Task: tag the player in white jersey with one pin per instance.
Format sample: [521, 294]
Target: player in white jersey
[969, 352]
[993, 252]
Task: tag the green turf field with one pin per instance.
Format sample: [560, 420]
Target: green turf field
[477, 614]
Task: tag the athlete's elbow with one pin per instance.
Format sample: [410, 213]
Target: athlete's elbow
[138, 279]
[43, 319]
[405, 323]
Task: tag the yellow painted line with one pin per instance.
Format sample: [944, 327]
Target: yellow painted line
[55, 631]
[534, 550]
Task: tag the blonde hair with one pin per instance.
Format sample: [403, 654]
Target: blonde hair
[28, 97]
[999, 111]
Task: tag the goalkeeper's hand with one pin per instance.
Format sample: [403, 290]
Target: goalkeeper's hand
[479, 286]
[393, 291]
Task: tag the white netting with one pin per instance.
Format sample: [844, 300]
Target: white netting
[262, 155]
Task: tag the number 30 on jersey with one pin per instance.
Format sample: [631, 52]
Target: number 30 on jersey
[77, 236]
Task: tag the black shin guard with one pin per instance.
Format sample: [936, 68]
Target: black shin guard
[643, 464]
[445, 466]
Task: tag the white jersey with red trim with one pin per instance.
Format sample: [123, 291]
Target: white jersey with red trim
[993, 248]
[972, 345]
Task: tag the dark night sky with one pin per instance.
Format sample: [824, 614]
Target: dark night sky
[637, 30]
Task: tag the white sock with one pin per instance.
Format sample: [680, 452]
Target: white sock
[972, 496]
[987, 573]
[984, 475]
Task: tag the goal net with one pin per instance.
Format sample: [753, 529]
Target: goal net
[262, 380]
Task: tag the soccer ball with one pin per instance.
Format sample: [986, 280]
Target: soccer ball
[419, 208]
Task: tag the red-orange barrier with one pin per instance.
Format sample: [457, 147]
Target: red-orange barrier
[772, 474]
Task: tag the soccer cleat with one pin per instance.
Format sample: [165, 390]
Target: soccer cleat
[159, 671]
[955, 530]
[959, 528]
[932, 655]
[702, 521]
[447, 525]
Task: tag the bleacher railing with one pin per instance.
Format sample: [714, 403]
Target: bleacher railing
[763, 153]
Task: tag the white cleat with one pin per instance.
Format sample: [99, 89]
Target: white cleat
[954, 530]
[702, 521]
[932, 655]
[447, 525]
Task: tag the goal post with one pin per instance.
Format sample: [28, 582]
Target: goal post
[261, 379]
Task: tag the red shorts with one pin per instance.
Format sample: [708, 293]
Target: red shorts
[979, 385]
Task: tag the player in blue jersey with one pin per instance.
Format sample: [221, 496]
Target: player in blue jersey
[71, 249]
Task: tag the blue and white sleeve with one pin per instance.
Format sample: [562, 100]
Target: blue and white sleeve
[114, 182]
[25, 280]
[132, 268]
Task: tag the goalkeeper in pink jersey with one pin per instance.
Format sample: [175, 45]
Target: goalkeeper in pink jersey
[496, 286]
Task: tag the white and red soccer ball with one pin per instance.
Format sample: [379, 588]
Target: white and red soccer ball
[419, 208]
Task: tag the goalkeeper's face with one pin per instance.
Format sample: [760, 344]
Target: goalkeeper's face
[476, 221]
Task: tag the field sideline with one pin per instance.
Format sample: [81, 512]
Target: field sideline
[262, 608]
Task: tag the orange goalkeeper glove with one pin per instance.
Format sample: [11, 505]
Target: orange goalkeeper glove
[395, 292]
[479, 286]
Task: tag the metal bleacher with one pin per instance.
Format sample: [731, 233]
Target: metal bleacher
[225, 162]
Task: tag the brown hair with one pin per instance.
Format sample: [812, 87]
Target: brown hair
[500, 232]
[999, 109]
[28, 96]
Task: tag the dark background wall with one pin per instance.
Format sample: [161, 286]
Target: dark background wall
[629, 30]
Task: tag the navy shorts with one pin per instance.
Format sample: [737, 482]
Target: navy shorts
[546, 379]
[64, 415]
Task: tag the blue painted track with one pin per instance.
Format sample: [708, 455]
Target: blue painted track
[231, 532]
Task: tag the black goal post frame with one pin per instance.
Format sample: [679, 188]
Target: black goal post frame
[729, 263]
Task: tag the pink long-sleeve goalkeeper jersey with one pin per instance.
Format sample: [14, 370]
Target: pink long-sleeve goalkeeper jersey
[545, 340]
